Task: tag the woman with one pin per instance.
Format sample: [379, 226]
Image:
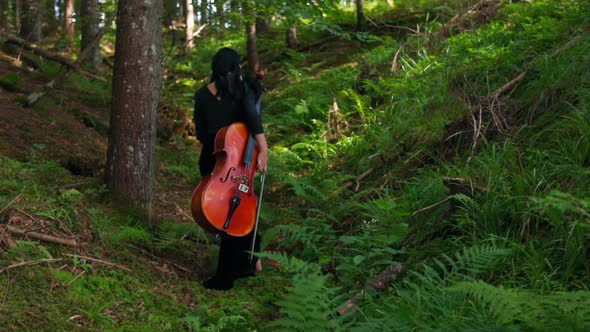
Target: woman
[225, 100]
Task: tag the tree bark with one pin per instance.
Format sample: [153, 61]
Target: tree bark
[190, 23]
[252, 50]
[360, 16]
[32, 21]
[136, 86]
[90, 16]
[203, 12]
[69, 19]
[382, 282]
[292, 37]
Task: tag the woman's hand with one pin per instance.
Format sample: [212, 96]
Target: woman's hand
[262, 161]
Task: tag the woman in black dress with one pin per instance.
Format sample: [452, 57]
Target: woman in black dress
[225, 100]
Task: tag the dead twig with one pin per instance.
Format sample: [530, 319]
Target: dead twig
[394, 63]
[42, 237]
[96, 260]
[76, 278]
[39, 261]
[431, 206]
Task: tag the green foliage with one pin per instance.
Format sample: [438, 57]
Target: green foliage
[308, 304]
[10, 81]
[563, 310]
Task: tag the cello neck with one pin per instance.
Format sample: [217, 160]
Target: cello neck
[249, 153]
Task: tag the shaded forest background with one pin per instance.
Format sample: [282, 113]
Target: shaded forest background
[429, 167]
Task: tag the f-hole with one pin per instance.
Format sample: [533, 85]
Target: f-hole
[231, 169]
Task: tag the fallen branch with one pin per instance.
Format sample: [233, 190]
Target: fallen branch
[42, 237]
[431, 206]
[382, 282]
[48, 54]
[508, 86]
[40, 261]
[96, 260]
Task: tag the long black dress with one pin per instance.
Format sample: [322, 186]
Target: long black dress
[211, 114]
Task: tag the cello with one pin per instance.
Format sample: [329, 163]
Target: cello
[225, 202]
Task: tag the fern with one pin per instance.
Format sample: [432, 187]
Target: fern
[563, 310]
[307, 305]
[424, 301]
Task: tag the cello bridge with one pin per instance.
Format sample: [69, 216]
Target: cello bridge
[242, 179]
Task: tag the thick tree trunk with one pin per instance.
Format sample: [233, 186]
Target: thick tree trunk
[69, 19]
[252, 50]
[90, 17]
[190, 23]
[292, 37]
[136, 89]
[360, 16]
[262, 25]
[32, 21]
[204, 11]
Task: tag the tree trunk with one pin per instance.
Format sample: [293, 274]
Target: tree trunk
[262, 25]
[360, 16]
[190, 23]
[137, 79]
[252, 50]
[292, 37]
[220, 14]
[90, 17]
[3, 9]
[50, 17]
[18, 11]
[32, 21]
[203, 12]
[69, 19]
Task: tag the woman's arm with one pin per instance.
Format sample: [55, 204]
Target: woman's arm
[262, 153]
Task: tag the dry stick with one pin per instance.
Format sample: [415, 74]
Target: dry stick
[11, 202]
[383, 280]
[508, 86]
[39, 50]
[100, 261]
[76, 278]
[40, 261]
[42, 237]
[395, 64]
[431, 206]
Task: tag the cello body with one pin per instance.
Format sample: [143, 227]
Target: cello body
[224, 202]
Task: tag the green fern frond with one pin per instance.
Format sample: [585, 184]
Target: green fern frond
[569, 310]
